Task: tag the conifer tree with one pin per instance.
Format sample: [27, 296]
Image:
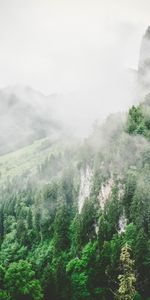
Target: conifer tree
[127, 279]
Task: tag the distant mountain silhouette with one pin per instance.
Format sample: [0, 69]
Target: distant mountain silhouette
[25, 115]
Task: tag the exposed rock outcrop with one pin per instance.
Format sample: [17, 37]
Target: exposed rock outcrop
[105, 192]
[85, 186]
[144, 64]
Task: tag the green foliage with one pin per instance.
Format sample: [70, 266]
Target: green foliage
[48, 250]
[135, 122]
[61, 229]
[19, 281]
[127, 280]
[81, 270]
[138, 121]
[4, 295]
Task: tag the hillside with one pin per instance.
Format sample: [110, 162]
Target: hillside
[25, 116]
[74, 215]
[75, 150]
[67, 209]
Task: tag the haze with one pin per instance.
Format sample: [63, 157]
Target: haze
[83, 50]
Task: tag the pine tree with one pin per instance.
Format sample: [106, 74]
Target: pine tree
[127, 280]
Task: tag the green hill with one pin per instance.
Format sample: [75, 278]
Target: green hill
[68, 210]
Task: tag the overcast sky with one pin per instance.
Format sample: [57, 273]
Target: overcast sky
[59, 46]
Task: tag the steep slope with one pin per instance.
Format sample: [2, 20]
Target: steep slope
[67, 209]
[144, 64]
[75, 217]
[25, 116]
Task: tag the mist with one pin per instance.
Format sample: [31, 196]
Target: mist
[74, 149]
[68, 64]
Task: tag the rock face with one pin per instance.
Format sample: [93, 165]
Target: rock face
[144, 63]
[122, 223]
[105, 192]
[85, 186]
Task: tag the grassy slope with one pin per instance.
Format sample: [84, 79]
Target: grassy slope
[26, 160]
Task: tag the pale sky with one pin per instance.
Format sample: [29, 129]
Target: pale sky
[60, 46]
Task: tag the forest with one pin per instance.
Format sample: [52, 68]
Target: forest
[78, 226]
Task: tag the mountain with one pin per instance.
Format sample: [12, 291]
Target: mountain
[144, 63]
[25, 116]
[67, 209]
[75, 215]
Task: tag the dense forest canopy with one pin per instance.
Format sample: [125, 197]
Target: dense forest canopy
[78, 225]
[75, 215]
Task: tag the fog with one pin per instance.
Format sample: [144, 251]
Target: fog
[81, 56]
